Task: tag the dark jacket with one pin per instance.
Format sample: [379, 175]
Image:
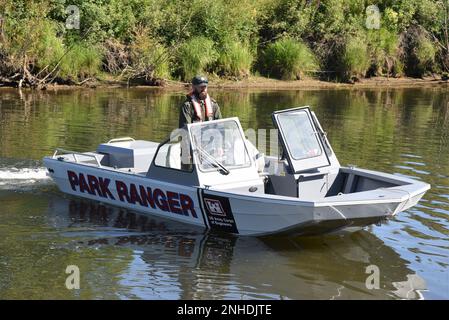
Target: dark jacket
[187, 113]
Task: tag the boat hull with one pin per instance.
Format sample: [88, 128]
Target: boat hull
[128, 191]
[244, 214]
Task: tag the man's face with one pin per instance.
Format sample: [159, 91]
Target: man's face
[201, 91]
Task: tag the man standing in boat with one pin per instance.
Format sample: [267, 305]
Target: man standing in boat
[198, 106]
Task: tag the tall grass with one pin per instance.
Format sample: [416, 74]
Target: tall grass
[48, 48]
[289, 59]
[425, 52]
[419, 52]
[384, 53]
[149, 55]
[195, 56]
[355, 59]
[80, 62]
[39, 47]
[235, 60]
[34, 44]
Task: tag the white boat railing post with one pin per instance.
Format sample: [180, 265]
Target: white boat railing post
[75, 153]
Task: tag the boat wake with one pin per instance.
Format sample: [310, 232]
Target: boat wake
[12, 178]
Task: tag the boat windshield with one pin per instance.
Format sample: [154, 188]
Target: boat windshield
[299, 135]
[223, 142]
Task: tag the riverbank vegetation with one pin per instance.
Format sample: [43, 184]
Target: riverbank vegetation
[152, 41]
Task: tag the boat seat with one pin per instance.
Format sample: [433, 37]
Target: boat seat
[174, 156]
[259, 158]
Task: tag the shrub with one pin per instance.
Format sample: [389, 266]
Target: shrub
[116, 56]
[195, 56]
[149, 58]
[235, 60]
[47, 48]
[384, 53]
[355, 60]
[418, 52]
[425, 52]
[289, 59]
[80, 62]
[36, 42]
[145, 58]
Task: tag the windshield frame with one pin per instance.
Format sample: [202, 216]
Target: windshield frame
[288, 142]
[304, 164]
[195, 150]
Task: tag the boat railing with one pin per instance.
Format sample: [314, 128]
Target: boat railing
[75, 153]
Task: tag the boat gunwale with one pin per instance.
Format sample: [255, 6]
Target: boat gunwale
[283, 200]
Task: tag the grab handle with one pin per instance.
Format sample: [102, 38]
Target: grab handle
[121, 139]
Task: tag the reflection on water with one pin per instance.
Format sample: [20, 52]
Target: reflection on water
[125, 255]
[130, 255]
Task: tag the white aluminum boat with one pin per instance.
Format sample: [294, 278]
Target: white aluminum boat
[219, 181]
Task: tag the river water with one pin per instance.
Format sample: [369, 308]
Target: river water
[125, 255]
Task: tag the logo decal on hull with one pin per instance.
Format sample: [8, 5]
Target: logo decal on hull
[214, 207]
[219, 213]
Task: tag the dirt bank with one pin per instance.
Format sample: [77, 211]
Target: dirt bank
[270, 84]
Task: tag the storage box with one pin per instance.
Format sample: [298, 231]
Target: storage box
[136, 154]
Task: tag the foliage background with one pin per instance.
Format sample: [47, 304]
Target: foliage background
[175, 39]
